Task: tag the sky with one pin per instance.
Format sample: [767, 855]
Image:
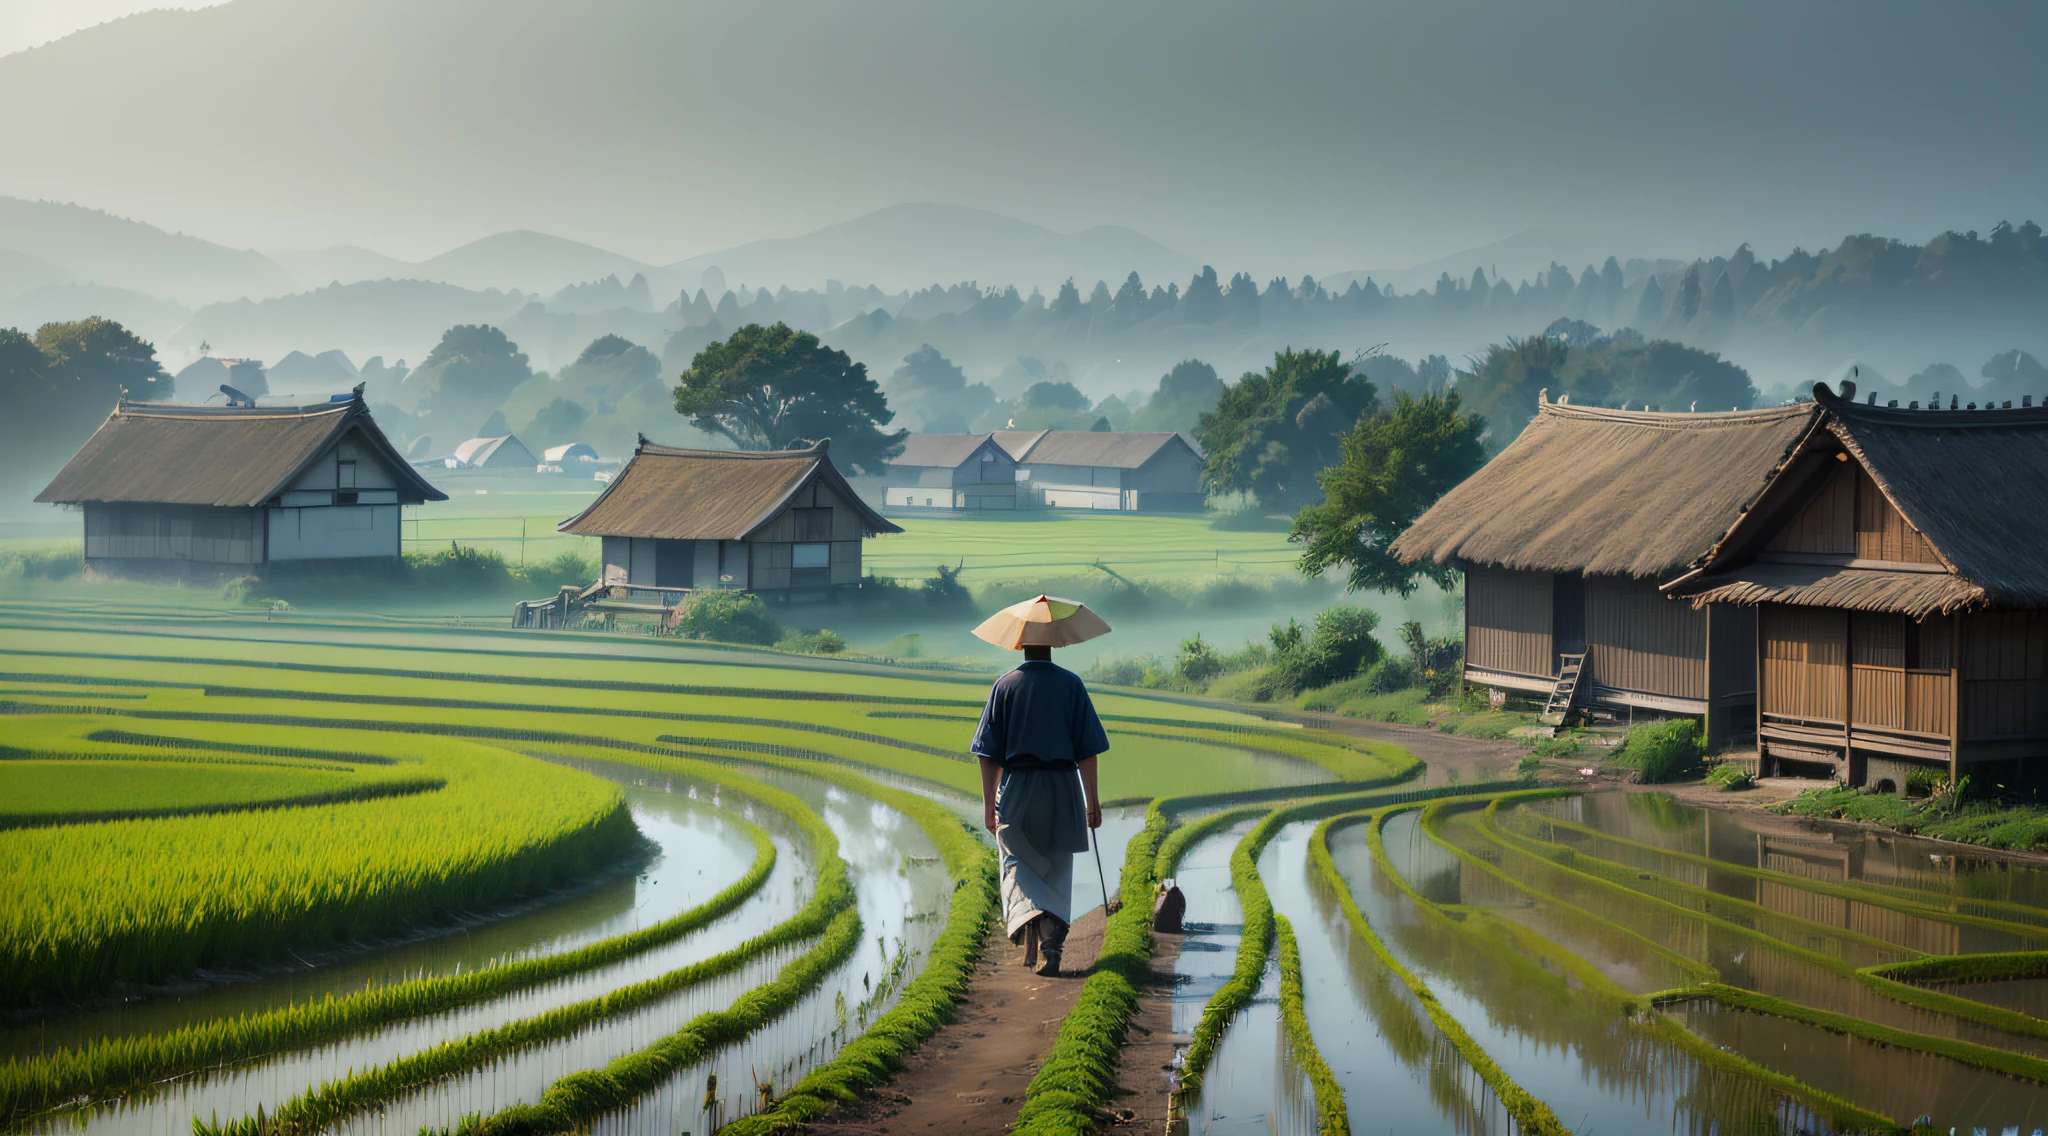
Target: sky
[1284, 137]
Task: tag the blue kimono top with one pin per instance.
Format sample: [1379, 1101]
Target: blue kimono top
[1039, 710]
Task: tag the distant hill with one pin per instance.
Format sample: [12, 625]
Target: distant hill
[20, 272]
[105, 249]
[139, 312]
[906, 247]
[396, 318]
[341, 264]
[526, 260]
[1522, 256]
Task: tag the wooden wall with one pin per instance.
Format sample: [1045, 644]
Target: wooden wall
[2004, 673]
[1851, 517]
[1805, 653]
[198, 533]
[1507, 621]
[1892, 672]
[1639, 639]
[815, 515]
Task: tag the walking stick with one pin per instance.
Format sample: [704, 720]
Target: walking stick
[1111, 904]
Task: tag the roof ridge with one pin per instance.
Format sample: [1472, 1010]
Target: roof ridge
[1674, 419]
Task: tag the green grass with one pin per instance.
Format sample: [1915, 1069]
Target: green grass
[1332, 1117]
[2018, 827]
[1048, 544]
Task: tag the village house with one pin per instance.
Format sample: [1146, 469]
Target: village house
[1565, 537]
[1894, 568]
[780, 522]
[951, 471]
[170, 488]
[1137, 471]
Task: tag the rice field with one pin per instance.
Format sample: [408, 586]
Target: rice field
[222, 812]
[702, 888]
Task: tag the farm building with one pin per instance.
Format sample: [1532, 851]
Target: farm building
[951, 471]
[1894, 566]
[1565, 537]
[1148, 471]
[166, 487]
[776, 521]
[505, 453]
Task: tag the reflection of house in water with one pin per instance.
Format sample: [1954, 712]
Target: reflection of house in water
[1565, 537]
[1894, 563]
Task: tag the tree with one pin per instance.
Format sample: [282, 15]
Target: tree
[467, 376]
[1203, 301]
[1271, 433]
[773, 388]
[1185, 393]
[934, 393]
[1068, 302]
[104, 359]
[1396, 463]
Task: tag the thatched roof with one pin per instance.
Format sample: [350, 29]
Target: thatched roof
[943, 451]
[670, 494]
[177, 454]
[1973, 482]
[1820, 585]
[1611, 492]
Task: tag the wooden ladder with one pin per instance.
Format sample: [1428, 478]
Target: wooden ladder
[1565, 692]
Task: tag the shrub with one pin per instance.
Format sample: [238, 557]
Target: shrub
[1730, 777]
[1197, 664]
[821, 642]
[463, 568]
[729, 617]
[550, 575]
[1924, 782]
[1662, 751]
[60, 563]
[1389, 675]
[1339, 646]
[1529, 767]
[1563, 745]
[944, 589]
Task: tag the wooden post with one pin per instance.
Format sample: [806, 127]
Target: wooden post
[1955, 700]
[1760, 689]
[1848, 696]
[1712, 730]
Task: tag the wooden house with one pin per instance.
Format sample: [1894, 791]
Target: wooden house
[776, 521]
[1126, 471]
[951, 471]
[167, 488]
[1895, 566]
[1565, 537]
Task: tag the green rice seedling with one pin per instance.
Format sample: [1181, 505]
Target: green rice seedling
[94, 905]
[1332, 1117]
[48, 792]
[113, 1066]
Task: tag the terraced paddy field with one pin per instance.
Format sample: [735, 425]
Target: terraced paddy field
[311, 874]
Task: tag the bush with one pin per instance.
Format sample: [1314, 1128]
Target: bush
[551, 575]
[1389, 675]
[1730, 777]
[467, 569]
[1339, 647]
[60, 563]
[729, 617]
[1663, 751]
[1563, 745]
[1197, 664]
[821, 642]
[1529, 767]
[944, 589]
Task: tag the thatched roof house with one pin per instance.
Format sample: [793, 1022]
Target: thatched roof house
[168, 486]
[1895, 563]
[1565, 536]
[767, 521]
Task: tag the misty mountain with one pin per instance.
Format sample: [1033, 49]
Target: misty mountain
[105, 249]
[20, 272]
[911, 246]
[398, 318]
[527, 261]
[139, 312]
[342, 264]
[1518, 257]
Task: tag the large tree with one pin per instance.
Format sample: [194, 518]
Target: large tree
[58, 386]
[1396, 463]
[102, 360]
[1272, 432]
[935, 394]
[774, 388]
[466, 377]
[1185, 393]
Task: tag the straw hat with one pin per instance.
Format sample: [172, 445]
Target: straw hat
[1047, 621]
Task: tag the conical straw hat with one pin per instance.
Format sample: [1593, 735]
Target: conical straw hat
[1047, 621]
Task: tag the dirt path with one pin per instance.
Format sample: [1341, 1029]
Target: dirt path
[1473, 759]
[970, 1077]
[1143, 1076]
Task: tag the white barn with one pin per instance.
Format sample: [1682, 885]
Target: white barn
[168, 488]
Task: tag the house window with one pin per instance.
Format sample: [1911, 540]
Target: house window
[810, 556]
[345, 475]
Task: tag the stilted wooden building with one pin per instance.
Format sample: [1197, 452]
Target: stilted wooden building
[1565, 537]
[1897, 563]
